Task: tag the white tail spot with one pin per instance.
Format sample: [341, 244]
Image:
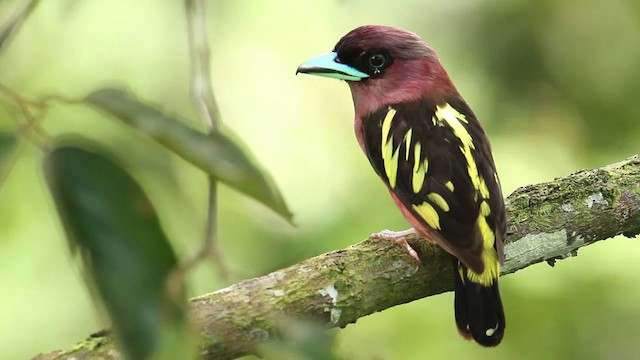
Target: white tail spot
[492, 331]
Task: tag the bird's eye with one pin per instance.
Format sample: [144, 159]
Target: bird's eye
[377, 62]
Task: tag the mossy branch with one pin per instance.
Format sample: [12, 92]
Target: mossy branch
[546, 222]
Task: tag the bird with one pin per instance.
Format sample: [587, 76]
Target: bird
[426, 144]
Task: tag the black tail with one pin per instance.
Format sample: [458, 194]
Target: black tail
[479, 313]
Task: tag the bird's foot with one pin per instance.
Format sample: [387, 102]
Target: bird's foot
[399, 238]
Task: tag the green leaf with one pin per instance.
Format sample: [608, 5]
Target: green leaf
[110, 221]
[215, 153]
[8, 142]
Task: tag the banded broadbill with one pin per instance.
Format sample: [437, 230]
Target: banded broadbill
[427, 146]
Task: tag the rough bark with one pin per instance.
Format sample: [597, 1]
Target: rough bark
[546, 221]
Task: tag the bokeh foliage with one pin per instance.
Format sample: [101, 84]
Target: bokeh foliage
[554, 83]
[112, 224]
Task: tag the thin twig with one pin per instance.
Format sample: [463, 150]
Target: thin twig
[205, 103]
[13, 95]
[33, 112]
[11, 26]
[201, 88]
[46, 99]
[41, 102]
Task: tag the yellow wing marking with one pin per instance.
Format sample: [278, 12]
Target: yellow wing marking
[482, 186]
[453, 118]
[485, 209]
[419, 169]
[489, 256]
[389, 154]
[439, 201]
[407, 144]
[429, 214]
[448, 115]
[449, 185]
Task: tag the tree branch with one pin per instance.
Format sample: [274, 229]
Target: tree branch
[547, 221]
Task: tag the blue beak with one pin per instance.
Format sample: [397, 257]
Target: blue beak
[327, 65]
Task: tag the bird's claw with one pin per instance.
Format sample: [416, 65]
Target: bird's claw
[400, 238]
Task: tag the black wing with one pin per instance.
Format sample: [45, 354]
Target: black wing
[437, 160]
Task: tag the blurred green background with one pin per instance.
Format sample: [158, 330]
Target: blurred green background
[555, 83]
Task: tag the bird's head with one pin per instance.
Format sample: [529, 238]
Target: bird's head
[383, 65]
